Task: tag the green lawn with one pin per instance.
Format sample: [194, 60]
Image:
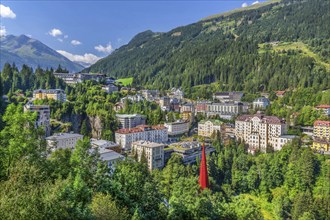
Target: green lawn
[126, 81]
[305, 51]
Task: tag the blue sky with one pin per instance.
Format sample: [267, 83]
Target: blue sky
[88, 30]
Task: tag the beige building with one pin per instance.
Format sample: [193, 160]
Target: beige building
[125, 137]
[259, 131]
[207, 127]
[177, 128]
[56, 94]
[43, 118]
[153, 152]
[63, 140]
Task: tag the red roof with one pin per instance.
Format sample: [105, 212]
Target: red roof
[323, 106]
[322, 123]
[140, 128]
[280, 92]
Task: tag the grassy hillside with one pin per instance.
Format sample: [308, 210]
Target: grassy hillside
[225, 50]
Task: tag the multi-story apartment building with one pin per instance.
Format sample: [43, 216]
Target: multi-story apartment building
[225, 110]
[176, 93]
[258, 131]
[187, 107]
[321, 135]
[150, 95]
[63, 140]
[130, 121]
[125, 136]
[201, 106]
[178, 127]
[153, 152]
[98, 143]
[43, 118]
[56, 94]
[228, 96]
[187, 116]
[208, 127]
[261, 103]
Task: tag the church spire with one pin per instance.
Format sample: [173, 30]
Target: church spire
[203, 177]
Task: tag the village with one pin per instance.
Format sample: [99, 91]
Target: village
[226, 117]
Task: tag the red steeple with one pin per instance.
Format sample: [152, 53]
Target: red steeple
[203, 177]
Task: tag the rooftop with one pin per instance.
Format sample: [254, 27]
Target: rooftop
[100, 142]
[263, 118]
[147, 144]
[323, 106]
[214, 121]
[322, 123]
[128, 115]
[140, 128]
[288, 136]
[109, 155]
[60, 136]
[48, 91]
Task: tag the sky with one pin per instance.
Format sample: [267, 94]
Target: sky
[86, 31]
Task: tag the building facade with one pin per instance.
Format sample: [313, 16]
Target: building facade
[208, 127]
[225, 110]
[63, 140]
[321, 136]
[261, 103]
[228, 96]
[43, 118]
[325, 109]
[153, 152]
[126, 136]
[56, 94]
[259, 131]
[130, 121]
[177, 128]
[110, 88]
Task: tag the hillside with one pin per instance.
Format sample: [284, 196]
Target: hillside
[24, 50]
[224, 49]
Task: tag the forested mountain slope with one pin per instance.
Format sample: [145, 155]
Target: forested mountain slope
[238, 51]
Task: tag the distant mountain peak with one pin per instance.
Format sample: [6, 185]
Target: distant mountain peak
[25, 50]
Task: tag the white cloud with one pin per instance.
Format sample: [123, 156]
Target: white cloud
[6, 12]
[244, 5]
[104, 49]
[66, 36]
[86, 58]
[75, 42]
[55, 32]
[3, 31]
[60, 40]
[256, 2]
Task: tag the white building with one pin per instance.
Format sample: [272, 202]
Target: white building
[207, 127]
[187, 107]
[153, 152]
[125, 136]
[261, 103]
[258, 131]
[225, 110]
[133, 98]
[98, 143]
[43, 118]
[177, 128]
[110, 157]
[130, 121]
[63, 140]
[282, 140]
[110, 88]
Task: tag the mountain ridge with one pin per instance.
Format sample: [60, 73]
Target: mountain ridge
[226, 50]
[25, 50]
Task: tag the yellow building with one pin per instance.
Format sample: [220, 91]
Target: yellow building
[321, 135]
[56, 94]
[187, 116]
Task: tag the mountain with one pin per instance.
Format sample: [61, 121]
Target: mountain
[268, 46]
[24, 50]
